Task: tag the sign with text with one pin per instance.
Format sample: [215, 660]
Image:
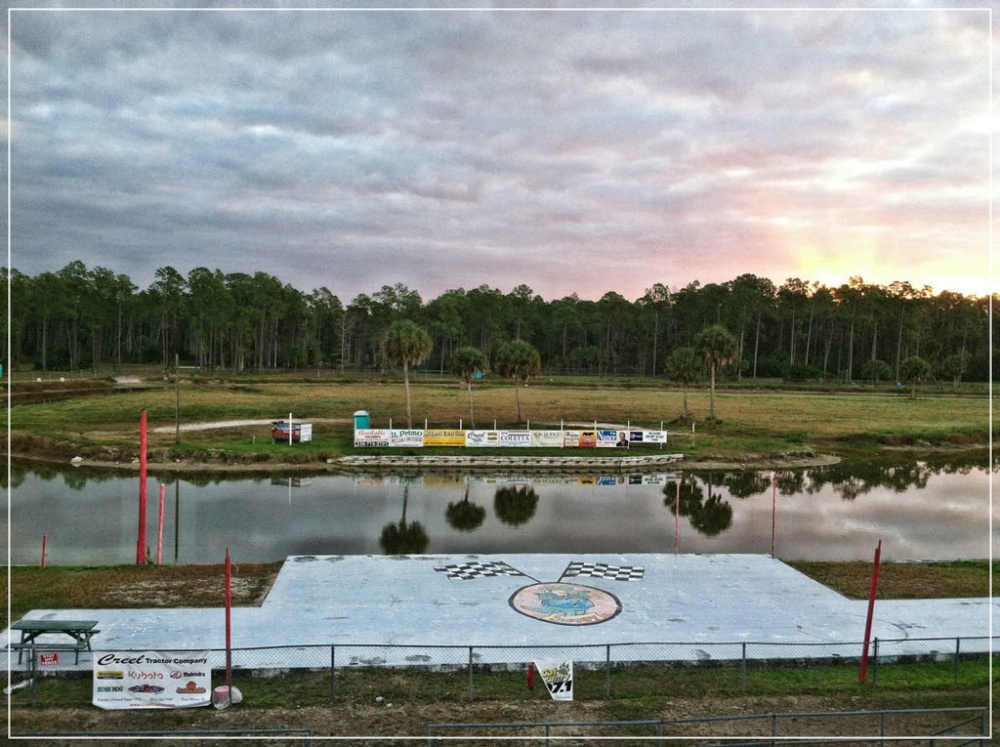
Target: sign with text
[558, 678]
[481, 438]
[439, 437]
[406, 437]
[647, 437]
[371, 436]
[152, 679]
[515, 438]
[547, 439]
[606, 438]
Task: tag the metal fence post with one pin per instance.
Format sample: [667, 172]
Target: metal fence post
[33, 653]
[470, 672]
[958, 647]
[607, 671]
[875, 664]
[743, 669]
[333, 671]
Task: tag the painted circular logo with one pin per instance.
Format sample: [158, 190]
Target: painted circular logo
[566, 604]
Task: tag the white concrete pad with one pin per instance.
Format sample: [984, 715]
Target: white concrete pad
[694, 603]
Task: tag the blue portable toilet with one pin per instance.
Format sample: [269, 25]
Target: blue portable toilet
[361, 420]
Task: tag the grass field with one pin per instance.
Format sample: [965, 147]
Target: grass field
[750, 422]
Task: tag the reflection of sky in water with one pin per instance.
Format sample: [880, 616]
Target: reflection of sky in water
[95, 521]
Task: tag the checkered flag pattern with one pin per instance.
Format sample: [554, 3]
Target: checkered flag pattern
[469, 571]
[603, 570]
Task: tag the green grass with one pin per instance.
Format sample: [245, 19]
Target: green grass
[638, 684]
[750, 422]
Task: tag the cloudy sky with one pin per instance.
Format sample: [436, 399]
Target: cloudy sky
[572, 151]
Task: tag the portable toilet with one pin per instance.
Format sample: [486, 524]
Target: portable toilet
[361, 420]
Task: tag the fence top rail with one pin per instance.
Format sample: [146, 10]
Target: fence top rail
[535, 647]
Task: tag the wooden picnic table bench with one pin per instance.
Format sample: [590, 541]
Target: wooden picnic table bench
[81, 631]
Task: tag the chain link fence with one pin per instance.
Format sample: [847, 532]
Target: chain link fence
[600, 670]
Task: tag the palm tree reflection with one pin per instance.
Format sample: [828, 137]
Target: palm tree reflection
[403, 538]
[464, 515]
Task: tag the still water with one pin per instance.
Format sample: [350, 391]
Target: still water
[921, 510]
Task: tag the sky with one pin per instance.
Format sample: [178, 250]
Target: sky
[572, 151]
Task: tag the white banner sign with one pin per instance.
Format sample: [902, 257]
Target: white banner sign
[371, 436]
[481, 438]
[558, 678]
[647, 437]
[406, 437]
[515, 438]
[152, 679]
[612, 438]
[547, 439]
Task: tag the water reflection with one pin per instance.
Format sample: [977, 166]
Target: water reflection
[922, 509]
[406, 537]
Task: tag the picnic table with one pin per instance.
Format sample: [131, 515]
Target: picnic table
[81, 631]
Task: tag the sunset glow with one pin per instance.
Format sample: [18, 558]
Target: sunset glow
[574, 152]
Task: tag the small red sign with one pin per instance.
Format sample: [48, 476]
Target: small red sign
[48, 659]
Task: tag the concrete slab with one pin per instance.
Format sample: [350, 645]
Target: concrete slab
[648, 606]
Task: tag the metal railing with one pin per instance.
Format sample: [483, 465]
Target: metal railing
[603, 668]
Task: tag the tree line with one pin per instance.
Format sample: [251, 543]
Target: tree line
[79, 317]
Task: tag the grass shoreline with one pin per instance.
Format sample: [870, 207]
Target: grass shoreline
[755, 427]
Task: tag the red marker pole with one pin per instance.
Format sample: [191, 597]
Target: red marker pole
[140, 544]
[229, 625]
[871, 610]
[45, 539]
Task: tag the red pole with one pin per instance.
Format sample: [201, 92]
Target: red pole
[531, 676]
[140, 543]
[159, 537]
[871, 609]
[229, 624]
[45, 539]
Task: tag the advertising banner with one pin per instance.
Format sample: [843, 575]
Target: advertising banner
[406, 437]
[550, 439]
[481, 438]
[588, 439]
[558, 678]
[647, 437]
[515, 438]
[606, 438]
[371, 436]
[437, 437]
[152, 679]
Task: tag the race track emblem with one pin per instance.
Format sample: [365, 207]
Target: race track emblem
[558, 602]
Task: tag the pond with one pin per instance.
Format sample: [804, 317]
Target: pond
[931, 509]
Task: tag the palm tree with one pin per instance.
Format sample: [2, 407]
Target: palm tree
[914, 370]
[520, 361]
[466, 363]
[684, 367]
[717, 347]
[409, 344]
